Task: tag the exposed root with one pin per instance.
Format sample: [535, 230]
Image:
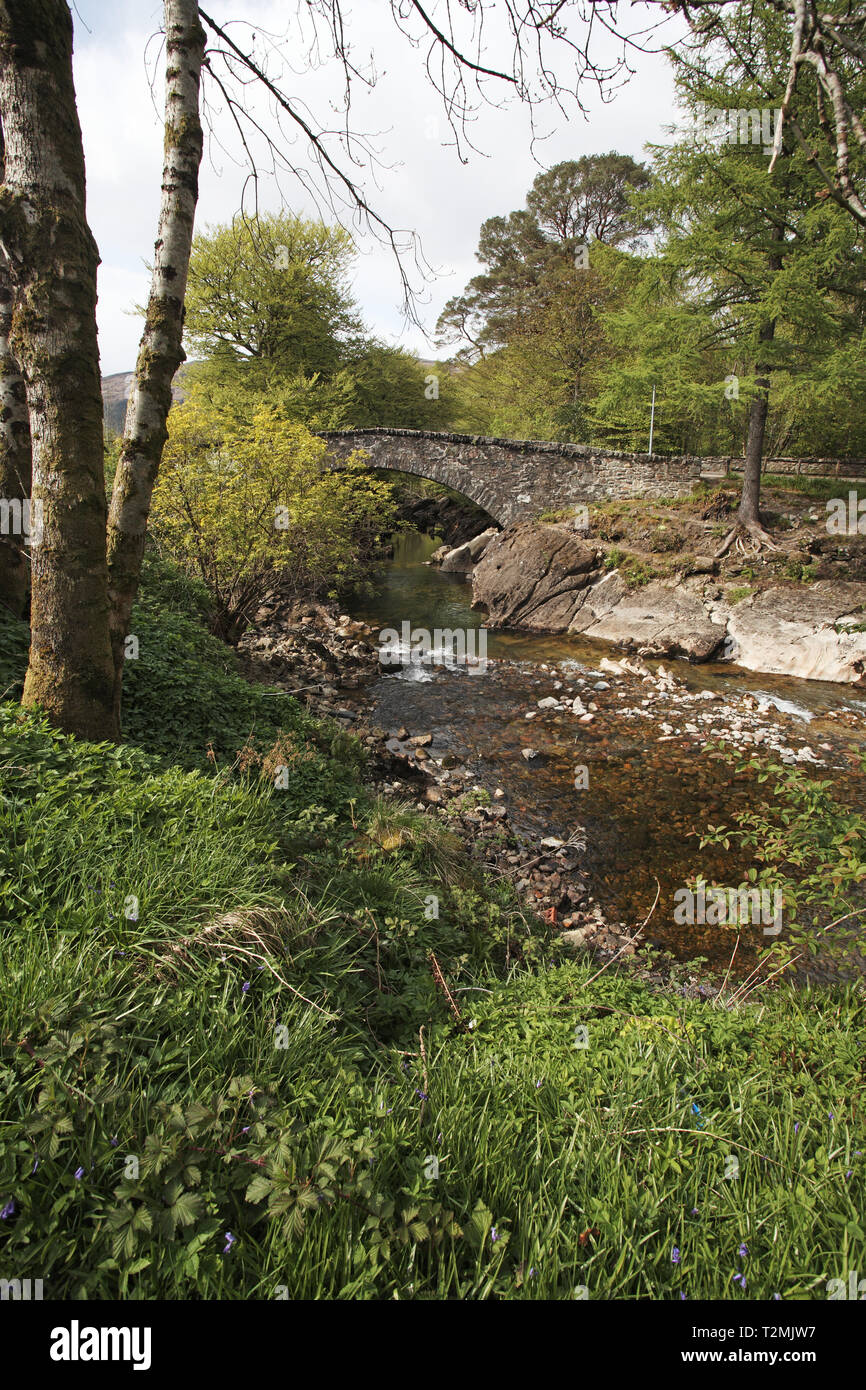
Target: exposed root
[750, 539]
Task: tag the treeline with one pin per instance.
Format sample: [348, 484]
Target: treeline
[730, 290]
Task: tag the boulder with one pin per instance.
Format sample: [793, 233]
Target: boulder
[532, 576]
[458, 561]
[801, 631]
[479, 543]
[463, 557]
[660, 619]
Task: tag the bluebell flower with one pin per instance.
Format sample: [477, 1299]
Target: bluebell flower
[675, 1255]
[79, 1174]
[230, 1240]
[8, 1210]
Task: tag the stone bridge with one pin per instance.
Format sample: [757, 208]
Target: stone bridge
[516, 478]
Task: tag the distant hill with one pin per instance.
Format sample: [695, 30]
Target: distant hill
[115, 395]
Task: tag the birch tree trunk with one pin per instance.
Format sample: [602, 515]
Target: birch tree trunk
[52, 261]
[15, 461]
[160, 352]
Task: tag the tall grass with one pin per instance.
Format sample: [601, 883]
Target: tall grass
[228, 1070]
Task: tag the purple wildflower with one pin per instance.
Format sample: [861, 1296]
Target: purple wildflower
[494, 1234]
[79, 1174]
[743, 1251]
[230, 1240]
[739, 1279]
[422, 1094]
[675, 1255]
[245, 987]
[8, 1210]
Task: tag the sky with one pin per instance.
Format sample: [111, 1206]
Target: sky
[420, 184]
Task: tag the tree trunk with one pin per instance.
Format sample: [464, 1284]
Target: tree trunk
[749, 510]
[52, 260]
[161, 352]
[15, 461]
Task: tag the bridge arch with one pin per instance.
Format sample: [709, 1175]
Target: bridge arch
[514, 479]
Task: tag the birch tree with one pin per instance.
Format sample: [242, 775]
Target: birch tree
[15, 460]
[52, 259]
[161, 351]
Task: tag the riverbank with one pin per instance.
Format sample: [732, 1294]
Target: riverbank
[645, 577]
[267, 1033]
[495, 757]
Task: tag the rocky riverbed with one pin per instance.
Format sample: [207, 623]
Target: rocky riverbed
[496, 756]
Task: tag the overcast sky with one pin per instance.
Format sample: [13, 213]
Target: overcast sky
[423, 186]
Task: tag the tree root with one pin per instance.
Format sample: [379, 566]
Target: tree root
[750, 539]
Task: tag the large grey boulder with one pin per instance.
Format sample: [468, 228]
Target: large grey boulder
[800, 631]
[531, 576]
[462, 558]
[660, 619]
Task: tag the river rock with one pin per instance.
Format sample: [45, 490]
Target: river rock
[461, 559]
[529, 576]
[796, 631]
[660, 619]
[458, 561]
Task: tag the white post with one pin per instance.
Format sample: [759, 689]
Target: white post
[652, 419]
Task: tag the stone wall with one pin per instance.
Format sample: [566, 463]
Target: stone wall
[513, 479]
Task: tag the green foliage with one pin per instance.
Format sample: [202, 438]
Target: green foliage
[240, 502]
[809, 845]
[270, 308]
[252, 1082]
[271, 289]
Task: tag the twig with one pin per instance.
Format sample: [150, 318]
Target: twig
[631, 940]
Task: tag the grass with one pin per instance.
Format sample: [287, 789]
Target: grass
[228, 1069]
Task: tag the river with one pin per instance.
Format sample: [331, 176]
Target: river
[652, 788]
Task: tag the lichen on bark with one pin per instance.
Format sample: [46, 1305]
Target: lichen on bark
[161, 351]
[52, 260]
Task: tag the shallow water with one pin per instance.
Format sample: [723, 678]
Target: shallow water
[651, 792]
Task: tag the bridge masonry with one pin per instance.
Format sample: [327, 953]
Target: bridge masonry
[514, 479]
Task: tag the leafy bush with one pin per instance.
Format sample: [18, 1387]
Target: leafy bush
[242, 501]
